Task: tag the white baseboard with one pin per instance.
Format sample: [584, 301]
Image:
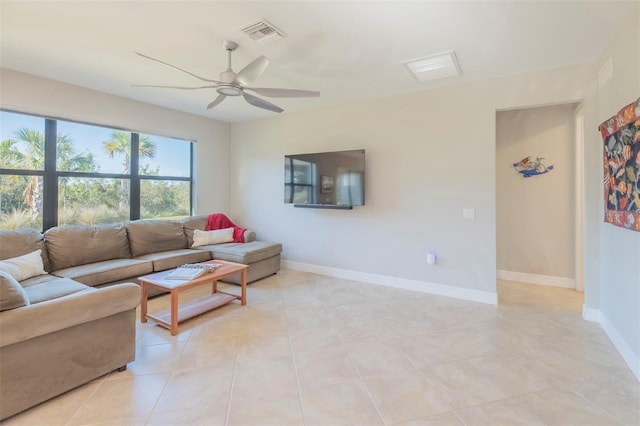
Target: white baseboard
[523, 277]
[632, 360]
[421, 286]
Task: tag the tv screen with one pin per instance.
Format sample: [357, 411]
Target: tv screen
[325, 178]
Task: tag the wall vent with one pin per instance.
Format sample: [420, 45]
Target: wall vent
[263, 32]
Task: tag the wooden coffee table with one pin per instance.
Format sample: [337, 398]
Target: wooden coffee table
[178, 313]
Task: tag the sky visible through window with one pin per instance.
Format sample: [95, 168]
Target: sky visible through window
[172, 155]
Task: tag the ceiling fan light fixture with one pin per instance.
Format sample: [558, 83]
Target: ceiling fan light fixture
[229, 90]
[441, 65]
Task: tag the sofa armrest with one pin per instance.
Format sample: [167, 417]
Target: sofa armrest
[31, 321]
[249, 236]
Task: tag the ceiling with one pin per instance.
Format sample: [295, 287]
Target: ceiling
[349, 51]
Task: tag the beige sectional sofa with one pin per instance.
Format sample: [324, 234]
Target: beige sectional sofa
[77, 319]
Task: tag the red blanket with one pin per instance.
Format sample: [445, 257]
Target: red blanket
[220, 221]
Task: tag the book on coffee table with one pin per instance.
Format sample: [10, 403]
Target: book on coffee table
[190, 271]
[185, 274]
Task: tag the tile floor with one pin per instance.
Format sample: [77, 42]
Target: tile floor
[315, 350]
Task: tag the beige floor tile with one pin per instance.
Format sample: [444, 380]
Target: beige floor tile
[155, 358]
[327, 333]
[503, 412]
[150, 334]
[539, 296]
[425, 350]
[444, 419]
[210, 352]
[121, 399]
[56, 411]
[261, 378]
[618, 397]
[362, 328]
[511, 374]
[314, 337]
[212, 413]
[324, 366]
[461, 385]
[304, 316]
[264, 345]
[405, 396]
[468, 342]
[563, 368]
[345, 403]
[193, 388]
[130, 421]
[563, 407]
[280, 410]
[378, 356]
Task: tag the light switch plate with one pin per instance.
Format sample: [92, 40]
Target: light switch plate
[469, 213]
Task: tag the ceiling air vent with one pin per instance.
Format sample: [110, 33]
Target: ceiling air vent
[263, 32]
[434, 67]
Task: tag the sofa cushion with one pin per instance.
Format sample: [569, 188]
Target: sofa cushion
[38, 280]
[192, 223]
[70, 246]
[107, 271]
[174, 258]
[23, 267]
[246, 253]
[22, 241]
[52, 289]
[218, 236]
[12, 295]
[152, 236]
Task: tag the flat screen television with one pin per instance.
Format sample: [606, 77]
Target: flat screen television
[325, 179]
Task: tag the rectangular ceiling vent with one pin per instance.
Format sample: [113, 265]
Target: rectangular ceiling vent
[263, 32]
[434, 67]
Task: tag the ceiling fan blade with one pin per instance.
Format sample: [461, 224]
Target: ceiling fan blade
[176, 68]
[261, 103]
[251, 71]
[217, 101]
[283, 93]
[173, 87]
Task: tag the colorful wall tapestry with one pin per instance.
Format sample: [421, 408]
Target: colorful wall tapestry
[621, 137]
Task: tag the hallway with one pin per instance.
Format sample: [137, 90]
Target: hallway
[539, 297]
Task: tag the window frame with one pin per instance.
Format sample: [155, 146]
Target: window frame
[51, 175]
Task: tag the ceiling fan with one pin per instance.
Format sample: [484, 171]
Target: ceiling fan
[235, 84]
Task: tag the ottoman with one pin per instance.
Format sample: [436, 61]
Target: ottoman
[262, 257]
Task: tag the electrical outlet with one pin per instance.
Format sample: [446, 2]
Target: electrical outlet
[469, 213]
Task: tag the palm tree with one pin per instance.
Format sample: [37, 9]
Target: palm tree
[120, 143]
[33, 159]
[69, 161]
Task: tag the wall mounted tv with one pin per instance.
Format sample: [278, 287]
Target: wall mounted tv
[333, 180]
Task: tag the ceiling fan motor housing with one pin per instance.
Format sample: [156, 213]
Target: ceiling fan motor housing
[227, 76]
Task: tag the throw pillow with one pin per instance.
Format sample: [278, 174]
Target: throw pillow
[12, 295]
[219, 236]
[23, 267]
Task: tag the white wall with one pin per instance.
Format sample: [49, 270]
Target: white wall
[27, 93]
[429, 155]
[535, 216]
[613, 284]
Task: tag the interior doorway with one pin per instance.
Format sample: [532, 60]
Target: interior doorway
[539, 214]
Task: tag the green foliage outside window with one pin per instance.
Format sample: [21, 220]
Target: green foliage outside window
[83, 196]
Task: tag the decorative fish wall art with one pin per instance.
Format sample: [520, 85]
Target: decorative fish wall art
[528, 167]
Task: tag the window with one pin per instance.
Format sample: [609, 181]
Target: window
[299, 181]
[55, 172]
